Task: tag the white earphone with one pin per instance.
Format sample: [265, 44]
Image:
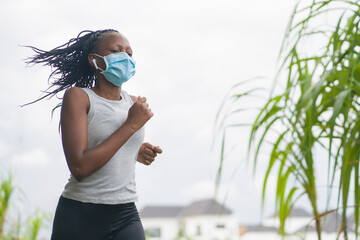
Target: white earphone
[94, 62]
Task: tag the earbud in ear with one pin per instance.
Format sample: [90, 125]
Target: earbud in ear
[94, 62]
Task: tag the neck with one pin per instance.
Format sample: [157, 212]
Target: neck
[107, 90]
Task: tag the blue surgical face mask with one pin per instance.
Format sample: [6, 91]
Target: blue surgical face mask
[120, 67]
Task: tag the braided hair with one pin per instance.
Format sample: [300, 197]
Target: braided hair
[70, 61]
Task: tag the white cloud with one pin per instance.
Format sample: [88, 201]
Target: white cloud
[4, 148]
[206, 189]
[32, 159]
[200, 190]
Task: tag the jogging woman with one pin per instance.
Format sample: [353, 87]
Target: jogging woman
[102, 129]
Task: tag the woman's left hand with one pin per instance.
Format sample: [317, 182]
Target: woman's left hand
[147, 153]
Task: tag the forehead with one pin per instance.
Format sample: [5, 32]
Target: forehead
[114, 40]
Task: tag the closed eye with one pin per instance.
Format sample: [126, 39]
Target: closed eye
[116, 51]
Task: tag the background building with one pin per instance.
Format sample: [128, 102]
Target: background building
[209, 220]
[201, 220]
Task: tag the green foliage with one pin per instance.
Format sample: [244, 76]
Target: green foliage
[182, 236]
[33, 226]
[6, 190]
[317, 108]
[12, 230]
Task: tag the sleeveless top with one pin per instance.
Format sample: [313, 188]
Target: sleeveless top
[114, 183]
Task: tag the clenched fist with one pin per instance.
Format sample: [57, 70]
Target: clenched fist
[147, 153]
[139, 113]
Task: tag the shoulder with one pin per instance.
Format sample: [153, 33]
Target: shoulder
[76, 93]
[76, 96]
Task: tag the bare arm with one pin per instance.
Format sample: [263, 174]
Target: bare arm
[81, 160]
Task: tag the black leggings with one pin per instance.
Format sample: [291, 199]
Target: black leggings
[75, 220]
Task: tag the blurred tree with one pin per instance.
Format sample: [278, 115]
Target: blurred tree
[6, 190]
[317, 108]
[12, 230]
[181, 236]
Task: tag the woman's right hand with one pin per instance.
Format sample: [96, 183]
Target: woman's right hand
[139, 114]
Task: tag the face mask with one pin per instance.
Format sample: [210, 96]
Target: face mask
[120, 67]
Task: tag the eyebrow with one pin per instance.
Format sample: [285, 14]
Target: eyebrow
[120, 46]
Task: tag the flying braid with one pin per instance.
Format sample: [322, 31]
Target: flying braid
[69, 62]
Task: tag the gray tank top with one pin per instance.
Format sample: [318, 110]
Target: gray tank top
[114, 183]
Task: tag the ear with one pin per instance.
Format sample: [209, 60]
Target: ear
[91, 58]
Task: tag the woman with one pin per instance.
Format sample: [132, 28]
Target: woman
[102, 133]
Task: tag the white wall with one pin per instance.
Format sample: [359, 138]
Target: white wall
[260, 236]
[275, 236]
[208, 227]
[169, 227]
[292, 225]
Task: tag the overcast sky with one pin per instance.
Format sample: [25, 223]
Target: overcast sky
[188, 53]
